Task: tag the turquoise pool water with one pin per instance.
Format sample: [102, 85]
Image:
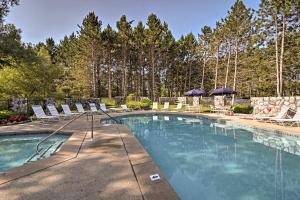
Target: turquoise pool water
[207, 160]
[15, 150]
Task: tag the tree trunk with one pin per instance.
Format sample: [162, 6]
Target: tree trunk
[235, 69]
[153, 74]
[185, 80]
[125, 73]
[109, 77]
[277, 59]
[227, 68]
[190, 71]
[217, 66]
[203, 72]
[281, 54]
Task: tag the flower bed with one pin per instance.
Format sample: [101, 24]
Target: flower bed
[8, 117]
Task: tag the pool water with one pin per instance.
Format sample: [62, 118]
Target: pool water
[16, 150]
[208, 160]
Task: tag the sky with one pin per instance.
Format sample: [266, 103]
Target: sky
[41, 19]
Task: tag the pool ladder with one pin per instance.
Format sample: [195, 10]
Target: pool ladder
[46, 152]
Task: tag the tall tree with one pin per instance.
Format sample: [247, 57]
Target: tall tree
[124, 36]
[276, 17]
[205, 39]
[139, 46]
[109, 37]
[89, 37]
[153, 41]
[239, 23]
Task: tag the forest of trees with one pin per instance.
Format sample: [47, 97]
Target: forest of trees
[255, 52]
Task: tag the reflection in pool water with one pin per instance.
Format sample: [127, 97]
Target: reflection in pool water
[207, 160]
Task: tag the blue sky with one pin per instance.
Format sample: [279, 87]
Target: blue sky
[40, 19]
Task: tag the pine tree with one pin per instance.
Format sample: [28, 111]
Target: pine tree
[124, 35]
[153, 35]
[89, 37]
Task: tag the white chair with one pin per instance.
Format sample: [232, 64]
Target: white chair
[40, 114]
[93, 107]
[155, 106]
[280, 115]
[178, 107]
[67, 110]
[166, 106]
[79, 107]
[292, 121]
[125, 108]
[103, 107]
[52, 109]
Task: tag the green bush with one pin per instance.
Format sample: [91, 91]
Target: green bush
[243, 108]
[108, 102]
[205, 109]
[6, 113]
[145, 103]
[135, 105]
[146, 100]
[130, 97]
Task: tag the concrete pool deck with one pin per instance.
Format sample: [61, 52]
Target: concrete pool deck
[113, 165]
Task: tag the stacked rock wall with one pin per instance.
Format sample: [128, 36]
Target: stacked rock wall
[271, 105]
[18, 105]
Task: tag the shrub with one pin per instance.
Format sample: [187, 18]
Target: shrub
[130, 97]
[145, 103]
[135, 105]
[108, 102]
[205, 109]
[6, 113]
[146, 100]
[243, 108]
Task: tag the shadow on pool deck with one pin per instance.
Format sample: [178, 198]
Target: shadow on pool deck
[111, 166]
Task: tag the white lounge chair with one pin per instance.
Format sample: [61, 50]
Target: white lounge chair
[155, 106]
[67, 110]
[52, 109]
[292, 121]
[40, 114]
[79, 107]
[178, 107]
[103, 107]
[280, 115]
[125, 108]
[166, 106]
[93, 107]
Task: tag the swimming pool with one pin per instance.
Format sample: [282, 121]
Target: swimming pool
[18, 149]
[209, 160]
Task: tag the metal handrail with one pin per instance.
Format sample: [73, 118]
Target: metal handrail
[66, 124]
[57, 130]
[111, 117]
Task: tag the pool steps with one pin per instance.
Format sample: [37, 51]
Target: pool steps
[46, 152]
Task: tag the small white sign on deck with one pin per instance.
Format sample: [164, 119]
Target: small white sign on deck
[154, 177]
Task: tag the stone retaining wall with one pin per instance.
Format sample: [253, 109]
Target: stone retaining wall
[271, 105]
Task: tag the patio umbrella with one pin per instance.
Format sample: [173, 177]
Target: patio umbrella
[194, 92]
[222, 91]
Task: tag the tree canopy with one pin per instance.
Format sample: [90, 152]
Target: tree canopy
[256, 52]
